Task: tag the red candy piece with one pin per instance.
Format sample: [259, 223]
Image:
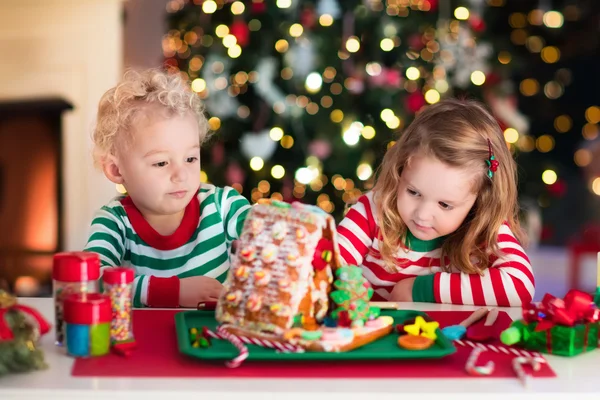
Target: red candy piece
[344, 319]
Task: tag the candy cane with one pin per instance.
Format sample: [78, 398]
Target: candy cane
[499, 349]
[478, 370]
[518, 362]
[237, 361]
[283, 347]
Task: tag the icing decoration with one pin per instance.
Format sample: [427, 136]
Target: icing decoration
[234, 298]
[254, 302]
[293, 259]
[256, 225]
[284, 285]
[358, 323]
[281, 310]
[248, 254]
[242, 273]
[301, 234]
[269, 253]
[311, 335]
[279, 230]
[262, 277]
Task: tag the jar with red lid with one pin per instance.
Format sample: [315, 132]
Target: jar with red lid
[87, 318]
[118, 285]
[72, 272]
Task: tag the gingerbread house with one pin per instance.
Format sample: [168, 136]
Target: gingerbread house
[281, 283]
[283, 269]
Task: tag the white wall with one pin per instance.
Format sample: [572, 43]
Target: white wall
[72, 49]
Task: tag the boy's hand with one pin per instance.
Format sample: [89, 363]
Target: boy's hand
[196, 289]
[403, 290]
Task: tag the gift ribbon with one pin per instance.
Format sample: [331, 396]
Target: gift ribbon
[6, 332]
[576, 307]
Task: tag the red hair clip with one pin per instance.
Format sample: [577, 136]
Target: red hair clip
[491, 162]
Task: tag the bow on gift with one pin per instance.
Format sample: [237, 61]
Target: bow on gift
[576, 307]
[7, 303]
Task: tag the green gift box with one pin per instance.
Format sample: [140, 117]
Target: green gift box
[558, 340]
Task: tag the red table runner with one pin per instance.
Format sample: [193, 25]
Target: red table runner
[157, 355]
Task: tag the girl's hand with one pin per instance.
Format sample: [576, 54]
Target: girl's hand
[403, 290]
[197, 289]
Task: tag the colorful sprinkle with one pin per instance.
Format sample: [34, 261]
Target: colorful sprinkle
[284, 284]
[254, 303]
[262, 277]
[269, 253]
[281, 310]
[257, 225]
[279, 230]
[242, 273]
[293, 258]
[248, 254]
[121, 327]
[301, 234]
[234, 298]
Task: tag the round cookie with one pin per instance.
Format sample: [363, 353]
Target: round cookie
[412, 342]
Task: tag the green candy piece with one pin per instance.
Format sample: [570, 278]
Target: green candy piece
[297, 321]
[510, 336]
[339, 296]
[203, 342]
[280, 204]
[374, 312]
[311, 335]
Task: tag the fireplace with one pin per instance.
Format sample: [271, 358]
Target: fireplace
[30, 192]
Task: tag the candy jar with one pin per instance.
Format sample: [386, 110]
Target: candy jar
[72, 272]
[87, 318]
[118, 285]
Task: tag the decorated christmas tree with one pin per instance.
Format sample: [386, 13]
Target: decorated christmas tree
[305, 96]
[351, 297]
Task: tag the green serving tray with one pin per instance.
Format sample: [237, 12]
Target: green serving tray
[385, 348]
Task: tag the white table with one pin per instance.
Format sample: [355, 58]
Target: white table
[580, 374]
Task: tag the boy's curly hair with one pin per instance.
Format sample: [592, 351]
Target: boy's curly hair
[120, 106]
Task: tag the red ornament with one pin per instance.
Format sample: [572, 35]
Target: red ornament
[258, 7]
[308, 18]
[433, 4]
[415, 101]
[477, 23]
[547, 232]
[240, 30]
[558, 188]
[218, 154]
[416, 42]
[344, 320]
